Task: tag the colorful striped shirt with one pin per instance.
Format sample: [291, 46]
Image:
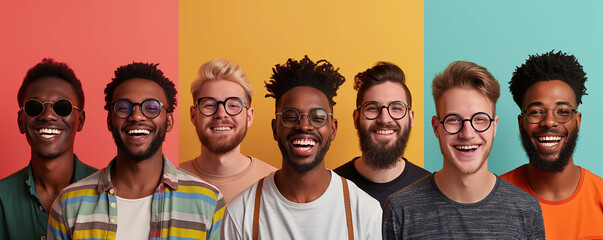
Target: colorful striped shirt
[184, 207]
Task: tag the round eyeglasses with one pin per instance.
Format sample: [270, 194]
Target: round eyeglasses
[318, 117]
[371, 109]
[453, 123]
[150, 108]
[536, 113]
[208, 106]
[62, 107]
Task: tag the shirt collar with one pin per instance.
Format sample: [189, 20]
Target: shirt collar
[79, 172]
[169, 177]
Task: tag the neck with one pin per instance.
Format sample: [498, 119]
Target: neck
[222, 164]
[51, 175]
[554, 186]
[137, 179]
[302, 187]
[379, 175]
[465, 188]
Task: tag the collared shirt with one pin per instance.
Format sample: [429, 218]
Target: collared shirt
[183, 207]
[22, 214]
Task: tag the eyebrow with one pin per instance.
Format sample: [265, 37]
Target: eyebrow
[540, 104]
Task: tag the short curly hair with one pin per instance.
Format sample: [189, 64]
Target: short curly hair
[48, 67]
[547, 67]
[380, 73]
[320, 75]
[145, 71]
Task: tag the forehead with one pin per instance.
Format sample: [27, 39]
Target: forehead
[138, 90]
[220, 89]
[385, 92]
[50, 88]
[549, 93]
[464, 102]
[304, 99]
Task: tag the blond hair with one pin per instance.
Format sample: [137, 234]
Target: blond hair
[222, 69]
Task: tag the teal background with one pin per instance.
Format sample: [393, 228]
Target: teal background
[500, 35]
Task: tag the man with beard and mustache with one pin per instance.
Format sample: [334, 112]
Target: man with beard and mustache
[548, 89]
[52, 112]
[221, 129]
[303, 199]
[383, 120]
[463, 200]
[140, 195]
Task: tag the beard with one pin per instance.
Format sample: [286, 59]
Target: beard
[557, 165]
[380, 156]
[299, 167]
[156, 143]
[223, 145]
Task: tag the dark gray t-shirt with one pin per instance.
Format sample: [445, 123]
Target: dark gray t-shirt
[421, 211]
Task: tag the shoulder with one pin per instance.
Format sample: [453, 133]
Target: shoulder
[13, 181]
[509, 191]
[259, 165]
[195, 184]
[238, 205]
[413, 168]
[187, 166]
[87, 186]
[515, 175]
[346, 169]
[418, 191]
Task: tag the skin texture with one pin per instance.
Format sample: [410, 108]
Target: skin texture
[139, 158]
[51, 158]
[303, 177]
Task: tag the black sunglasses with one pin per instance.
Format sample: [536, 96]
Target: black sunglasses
[62, 107]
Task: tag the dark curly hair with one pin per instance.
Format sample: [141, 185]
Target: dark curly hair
[50, 68]
[145, 71]
[547, 67]
[320, 75]
[380, 73]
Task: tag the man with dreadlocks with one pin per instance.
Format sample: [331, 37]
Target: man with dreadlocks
[548, 89]
[303, 200]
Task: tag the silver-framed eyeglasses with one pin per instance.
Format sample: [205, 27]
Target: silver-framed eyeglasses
[480, 122]
[536, 113]
[317, 117]
[150, 108]
[62, 107]
[372, 109]
[208, 106]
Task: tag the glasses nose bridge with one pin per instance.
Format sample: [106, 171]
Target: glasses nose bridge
[48, 111]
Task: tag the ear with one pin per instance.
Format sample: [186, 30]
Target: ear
[82, 119]
[578, 120]
[355, 116]
[494, 125]
[193, 114]
[249, 116]
[520, 122]
[435, 124]
[411, 117]
[170, 122]
[109, 125]
[273, 124]
[20, 121]
[333, 128]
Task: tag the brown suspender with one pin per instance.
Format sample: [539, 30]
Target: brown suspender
[346, 200]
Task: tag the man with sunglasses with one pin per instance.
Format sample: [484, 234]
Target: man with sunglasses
[383, 120]
[52, 112]
[463, 200]
[548, 89]
[221, 114]
[303, 199]
[140, 195]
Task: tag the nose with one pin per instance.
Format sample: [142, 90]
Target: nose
[304, 123]
[467, 132]
[136, 114]
[221, 111]
[549, 120]
[48, 113]
[384, 116]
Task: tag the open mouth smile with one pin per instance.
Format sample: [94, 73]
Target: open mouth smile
[467, 148]
[48, 132]
[549, 141]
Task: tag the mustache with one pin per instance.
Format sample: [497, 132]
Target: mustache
[550, 130]
[138, 124]
[299, 132]
[378, 126]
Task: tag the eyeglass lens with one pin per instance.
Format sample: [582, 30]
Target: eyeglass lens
[150, 108]
[371, 110]
[480, 121]
[562, 113]
[62, 107]
[317, 117]
[208, 106]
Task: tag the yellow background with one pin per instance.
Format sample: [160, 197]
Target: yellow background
[259, 34]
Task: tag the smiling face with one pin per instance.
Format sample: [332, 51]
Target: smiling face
[138, 137]
[465, 152]
[48, 134]
[549, 144]
[221, 132]
[303, 146]
[383, 139]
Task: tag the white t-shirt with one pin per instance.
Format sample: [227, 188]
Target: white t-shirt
[323, 218]
[133, 218]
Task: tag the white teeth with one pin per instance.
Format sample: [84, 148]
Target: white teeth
[48, 132]
[467, 147]
[221, 128]
[549, 138]
[139, 131]
[549, 144]
[304, 142]
[384, 131]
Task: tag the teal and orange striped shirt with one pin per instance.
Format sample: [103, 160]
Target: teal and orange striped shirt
[183, 207]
